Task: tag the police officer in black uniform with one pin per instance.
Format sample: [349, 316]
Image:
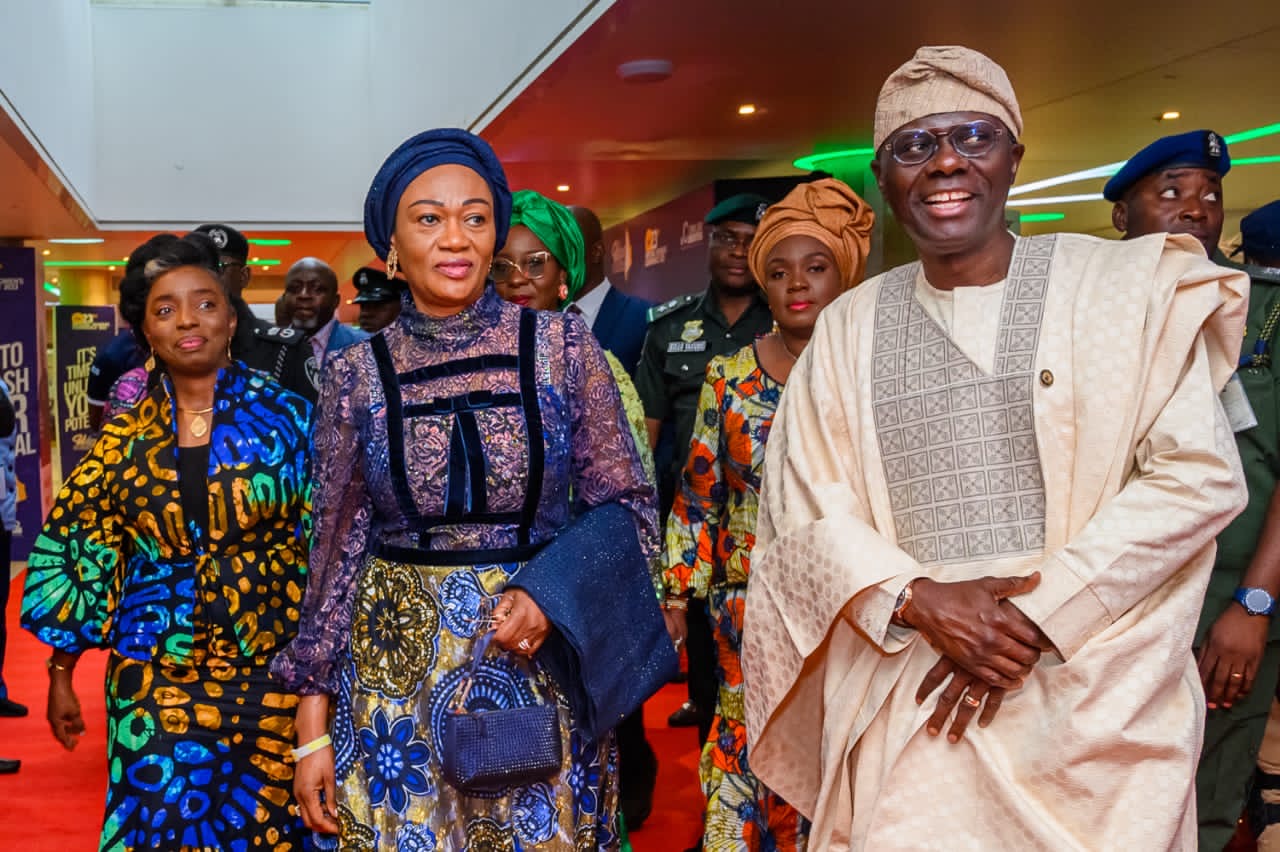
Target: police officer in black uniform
[684, 335]
[278, 352]
[378, 298]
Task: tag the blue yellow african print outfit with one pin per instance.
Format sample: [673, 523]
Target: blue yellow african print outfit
[198, 735]
[447, 452]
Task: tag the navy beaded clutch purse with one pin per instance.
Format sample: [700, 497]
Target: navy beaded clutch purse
[489, 751]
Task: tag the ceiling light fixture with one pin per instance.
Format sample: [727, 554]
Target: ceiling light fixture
[1170, 115]
[1041, 217]
[1057, 199]
[46, 252]
[261, 241]
[111, 269]
[1256, 161]
[814, 162]
[645, 70]
[563, 187]
[747, 109]
[78, 241]
[52, 289]
[268, 262]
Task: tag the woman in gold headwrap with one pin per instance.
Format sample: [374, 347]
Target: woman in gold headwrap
[809, 248]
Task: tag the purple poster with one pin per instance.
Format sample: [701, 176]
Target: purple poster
[20, 356]
[78, 332]
[661, 253]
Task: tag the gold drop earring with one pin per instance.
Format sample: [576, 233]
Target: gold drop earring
[393, 262]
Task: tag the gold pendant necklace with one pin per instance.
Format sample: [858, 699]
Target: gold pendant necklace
[197, 425]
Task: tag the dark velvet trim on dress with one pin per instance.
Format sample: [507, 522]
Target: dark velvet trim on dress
[395, 431]
[532, 420]
[474, 364]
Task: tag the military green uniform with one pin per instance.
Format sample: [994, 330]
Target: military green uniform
[684, 335]
[1232, 736]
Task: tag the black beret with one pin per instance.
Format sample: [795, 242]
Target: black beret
[1260, 231]
[229, 241]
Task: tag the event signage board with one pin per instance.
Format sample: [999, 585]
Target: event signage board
[20, 354]
[79, 331]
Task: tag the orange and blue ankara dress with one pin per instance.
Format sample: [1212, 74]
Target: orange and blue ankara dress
[708, 554]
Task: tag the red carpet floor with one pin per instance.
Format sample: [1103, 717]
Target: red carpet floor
[54, 803]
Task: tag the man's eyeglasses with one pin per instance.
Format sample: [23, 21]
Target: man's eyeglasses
[729, 240]
[533, 268]
[971, 139]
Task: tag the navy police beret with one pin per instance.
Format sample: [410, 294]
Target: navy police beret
[1200, 148]
[1260, 232]
[744, 207]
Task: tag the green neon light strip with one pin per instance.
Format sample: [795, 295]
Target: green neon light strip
[1042, 217]
[1256, 161]
[1256, 133]
[102, 264]
[253, 241]
[52, 289]
[811, 162]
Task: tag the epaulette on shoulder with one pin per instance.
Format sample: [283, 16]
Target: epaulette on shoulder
[281, 336]
[657, 312]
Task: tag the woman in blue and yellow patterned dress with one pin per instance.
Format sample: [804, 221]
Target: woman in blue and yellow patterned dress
[808, 249]
[454, 451]
[179, 544]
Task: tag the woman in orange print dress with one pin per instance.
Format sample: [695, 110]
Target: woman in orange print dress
[808, 249]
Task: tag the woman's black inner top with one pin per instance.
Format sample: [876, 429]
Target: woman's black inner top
[193, 483]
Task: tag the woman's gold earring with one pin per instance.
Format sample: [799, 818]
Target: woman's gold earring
[393, 262]
[150, 363]
[230, 357]
[564, 292]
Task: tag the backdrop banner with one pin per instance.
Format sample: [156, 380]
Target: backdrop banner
[79, 331]
[20, 354]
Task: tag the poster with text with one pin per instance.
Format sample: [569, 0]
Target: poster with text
[78, 332]
[20, 356]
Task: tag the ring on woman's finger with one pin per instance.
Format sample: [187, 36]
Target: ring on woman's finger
[973, 702]
[1236, 675]
[524, 645]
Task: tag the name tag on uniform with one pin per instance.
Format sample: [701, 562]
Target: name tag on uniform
[677, 346]
[1236, 403]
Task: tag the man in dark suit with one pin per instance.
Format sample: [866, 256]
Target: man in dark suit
[311, 291]
[618, 321]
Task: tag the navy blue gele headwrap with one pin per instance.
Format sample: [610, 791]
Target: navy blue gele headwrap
[443, 146]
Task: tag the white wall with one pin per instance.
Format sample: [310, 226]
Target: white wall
[46, 83]
[279, 115]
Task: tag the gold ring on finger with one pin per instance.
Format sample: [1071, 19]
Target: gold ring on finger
[973, 702]
[1237, 675]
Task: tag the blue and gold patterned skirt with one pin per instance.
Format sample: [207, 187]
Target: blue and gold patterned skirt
[413, 631]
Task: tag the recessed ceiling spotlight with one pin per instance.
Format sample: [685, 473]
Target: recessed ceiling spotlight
[46, 252]
[111, 269]
[563, 187]
[747, 109]
[1170, 115]
[645, 70]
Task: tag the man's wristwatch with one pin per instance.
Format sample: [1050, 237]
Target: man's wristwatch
[1255, 601]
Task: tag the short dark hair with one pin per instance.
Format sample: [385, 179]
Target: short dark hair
[158, 255]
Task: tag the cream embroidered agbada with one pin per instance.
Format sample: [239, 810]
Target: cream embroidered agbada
[1093, 448]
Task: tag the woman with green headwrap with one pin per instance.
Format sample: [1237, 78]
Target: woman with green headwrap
[542, 266]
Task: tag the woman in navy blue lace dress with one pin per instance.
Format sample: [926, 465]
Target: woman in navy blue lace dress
[448, 449]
